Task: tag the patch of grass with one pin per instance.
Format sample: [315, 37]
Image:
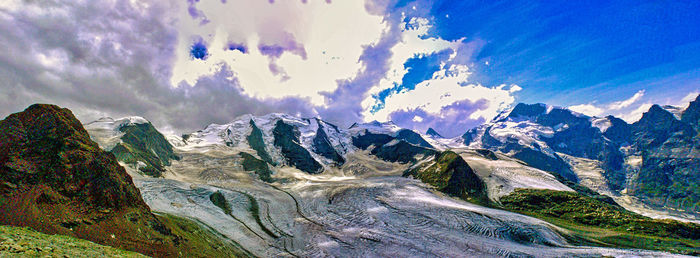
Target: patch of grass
[449, 173]
[25, 242]
[199, 240]
[594, 222]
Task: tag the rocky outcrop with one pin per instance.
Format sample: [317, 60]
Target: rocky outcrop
[449, 173]
[433, 133]
[658, 125]
[402, 152]
[287, 139]
[670, 153]
[412, 137]
[691, 115]
[143, 143]
[322, 146]
[368, 139]
[56, 180]
[251, 163]
[256, 142]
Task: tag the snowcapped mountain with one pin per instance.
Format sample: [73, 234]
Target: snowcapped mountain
[310, 144]
[294, 186]
[623, 156]
[135, 142]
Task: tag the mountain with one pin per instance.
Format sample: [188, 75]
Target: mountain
[670, 157]
[56, 180]
[134, 141]
[691, 115]
[280, 185]
[654, 159]
[433, 133]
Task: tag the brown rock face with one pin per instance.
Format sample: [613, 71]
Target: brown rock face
[54, 179]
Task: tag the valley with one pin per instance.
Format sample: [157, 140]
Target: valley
[283, 186]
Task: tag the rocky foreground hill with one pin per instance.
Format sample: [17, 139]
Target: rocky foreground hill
[55, 180]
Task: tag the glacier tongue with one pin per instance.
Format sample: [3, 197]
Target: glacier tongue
[363, 207]
[378, 213]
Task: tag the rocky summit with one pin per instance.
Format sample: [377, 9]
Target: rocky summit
[56, 180]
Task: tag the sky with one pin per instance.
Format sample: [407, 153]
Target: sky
[449, 65]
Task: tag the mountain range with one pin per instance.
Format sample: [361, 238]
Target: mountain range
[536, 180]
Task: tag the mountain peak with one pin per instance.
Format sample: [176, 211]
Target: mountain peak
[528, 110]
[61, 180]
[656, 112]
[691, 115]
[432, 132]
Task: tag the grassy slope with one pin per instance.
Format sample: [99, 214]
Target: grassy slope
[198, 240]
[452, 175]
[23, 242]
[195, 240]
[593, 222]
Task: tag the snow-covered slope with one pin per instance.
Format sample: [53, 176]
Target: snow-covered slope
[602, 153]
[362, 206]
[309, 133]
[105, 131]
[503, 174]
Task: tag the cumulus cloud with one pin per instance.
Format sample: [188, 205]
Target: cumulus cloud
[294, 48]
[444, 100]
[447, 103]
[685, 101]
[186, 64]
[114, 58]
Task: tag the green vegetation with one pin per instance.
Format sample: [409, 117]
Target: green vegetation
[219, 200]
[142, 142]
[198, 240]
[23, 242]
[251, 163]
[595, 222]
[452, 175]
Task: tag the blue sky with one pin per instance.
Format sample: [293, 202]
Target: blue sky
[450, 65]
[600, 49]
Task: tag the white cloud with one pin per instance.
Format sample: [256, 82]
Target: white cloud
[587, 109]
[685, 101]
[412, 43]
[628, 102]
[445, 89]
[615, 108]
[636, 114]
[332, 35]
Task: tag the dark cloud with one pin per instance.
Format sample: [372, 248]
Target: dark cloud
[114, 59]
[289, 44]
